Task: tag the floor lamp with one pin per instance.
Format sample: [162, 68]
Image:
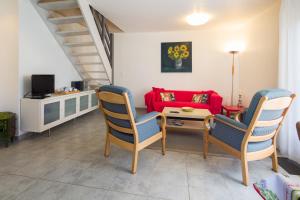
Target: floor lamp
[232, 74]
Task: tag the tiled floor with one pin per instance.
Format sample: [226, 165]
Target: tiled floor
[70, 165]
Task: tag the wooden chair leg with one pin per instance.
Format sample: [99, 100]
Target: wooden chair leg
[245, 171]
[275, 161]
[205, 145]
[107, 146]
[134, 161]
[164, 134]
[163, 144]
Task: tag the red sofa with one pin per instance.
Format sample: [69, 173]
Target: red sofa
[182, 98]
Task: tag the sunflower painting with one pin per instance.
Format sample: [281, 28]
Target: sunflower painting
[176, 57]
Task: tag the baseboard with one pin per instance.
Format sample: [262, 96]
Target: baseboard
[24, 136]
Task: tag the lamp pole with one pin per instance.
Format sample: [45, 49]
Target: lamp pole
[232, 75]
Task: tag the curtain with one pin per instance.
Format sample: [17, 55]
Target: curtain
[289, 74]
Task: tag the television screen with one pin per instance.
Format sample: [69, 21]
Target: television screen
[42, 84]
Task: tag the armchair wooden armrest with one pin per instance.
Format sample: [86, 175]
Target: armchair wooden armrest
[207, 121]
[238, 116]
[147, 117]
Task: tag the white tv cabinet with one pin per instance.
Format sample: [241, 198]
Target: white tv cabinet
[38, 115]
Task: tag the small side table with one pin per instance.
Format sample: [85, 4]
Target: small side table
[231, 109]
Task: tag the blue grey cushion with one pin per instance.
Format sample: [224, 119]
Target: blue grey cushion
[234, 137]
[231, 121]
[271, 94]
[119, 90]
[122, 136]
[117, 108]
[145, 130]
[119, 122]
[260, 131]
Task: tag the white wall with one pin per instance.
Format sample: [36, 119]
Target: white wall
[9, 56]
[39, 51]
[137, 58]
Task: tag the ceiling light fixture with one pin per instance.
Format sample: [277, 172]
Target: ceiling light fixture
[197, 19]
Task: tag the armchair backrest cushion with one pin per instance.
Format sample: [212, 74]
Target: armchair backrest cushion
[265, 114]
[114, 106]
[119, 90]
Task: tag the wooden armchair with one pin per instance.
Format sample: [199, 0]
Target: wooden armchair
[252, 135]
[124, 127]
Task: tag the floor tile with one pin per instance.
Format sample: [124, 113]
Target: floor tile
[100, 176]
[67, 171]
[112, 195]
[47, 190]
[171, 192]
[11, 185]
[137, 183]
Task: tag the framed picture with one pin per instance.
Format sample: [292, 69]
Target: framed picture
[176, 57]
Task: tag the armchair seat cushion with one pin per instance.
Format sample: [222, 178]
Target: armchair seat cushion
[234, 137]
[145, 130]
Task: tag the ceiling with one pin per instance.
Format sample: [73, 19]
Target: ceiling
[169, 15]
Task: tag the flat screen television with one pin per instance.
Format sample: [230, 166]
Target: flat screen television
[42, 84]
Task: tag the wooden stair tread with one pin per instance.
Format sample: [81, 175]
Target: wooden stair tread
[96, 79]
[85, 54]
[89, 63]
[78, 44]
[73, 33]
[66, 20]
[59, 5]
[93, 72]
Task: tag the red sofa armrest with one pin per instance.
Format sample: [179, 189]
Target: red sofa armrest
[215, 103]
[149, 101]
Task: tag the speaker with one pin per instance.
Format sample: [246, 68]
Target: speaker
[79, 85]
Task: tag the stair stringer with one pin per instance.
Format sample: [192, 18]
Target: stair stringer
[89, 19]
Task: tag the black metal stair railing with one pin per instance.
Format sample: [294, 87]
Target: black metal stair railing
[106, 36]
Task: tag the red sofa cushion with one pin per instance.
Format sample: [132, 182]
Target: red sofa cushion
[180, 95]
[187, 96]
[157, 92]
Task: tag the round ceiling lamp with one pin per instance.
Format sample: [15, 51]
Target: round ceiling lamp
[197, 19]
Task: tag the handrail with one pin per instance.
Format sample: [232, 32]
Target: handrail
[106, 36]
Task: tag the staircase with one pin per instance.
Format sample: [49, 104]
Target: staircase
[84, 35]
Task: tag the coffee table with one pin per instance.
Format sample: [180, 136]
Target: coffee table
[190, 120]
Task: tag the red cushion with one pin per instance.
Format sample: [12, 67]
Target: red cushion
[157, 92]
[187, 96]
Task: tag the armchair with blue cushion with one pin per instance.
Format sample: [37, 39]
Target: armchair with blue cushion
[124, 127]
[252, 134]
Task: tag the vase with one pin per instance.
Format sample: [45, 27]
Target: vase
[178, 63]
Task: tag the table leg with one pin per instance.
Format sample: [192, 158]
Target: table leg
[228, 113]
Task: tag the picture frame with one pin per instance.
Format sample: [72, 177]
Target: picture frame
[176, 57]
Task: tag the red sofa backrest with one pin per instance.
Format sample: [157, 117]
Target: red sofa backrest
[180, 95]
